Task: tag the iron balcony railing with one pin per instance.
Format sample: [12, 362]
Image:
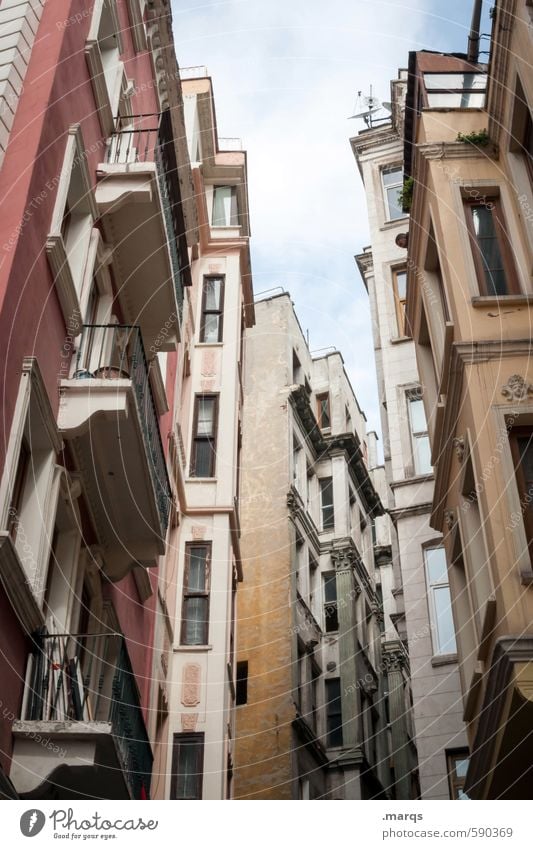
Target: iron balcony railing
[114, 351]
[89, 678]
[149, 138]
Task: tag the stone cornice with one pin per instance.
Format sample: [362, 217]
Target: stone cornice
[455, 150]
[298, 512]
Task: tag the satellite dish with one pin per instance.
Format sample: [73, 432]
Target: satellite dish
[386, 105]
[361, 114]
[366, 106]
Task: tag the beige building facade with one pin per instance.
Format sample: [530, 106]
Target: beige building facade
[469, 292]
[420, 585]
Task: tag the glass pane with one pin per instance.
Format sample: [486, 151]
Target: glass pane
[461, 767]
[212, 289]
[489, 249]
[206, 416]
[324, 413]
[422, 455]
[392, 177]
[330, 588]
[455, 81]
[331, 618]
[195, 612]
[525, 448]
[444, 623]
[394, 208]
[457, 99]
[401, 284]
[197, 569]
[418, 416]
[211, 326]
[225, 206]
[203, 458]
[436, 563]
[187, 771]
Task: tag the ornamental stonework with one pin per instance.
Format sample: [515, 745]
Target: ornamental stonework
[517, 389]
[189, 721]
[190, 693]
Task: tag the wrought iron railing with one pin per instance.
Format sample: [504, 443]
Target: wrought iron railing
[114, 351]
[149, 138]
[89, 678]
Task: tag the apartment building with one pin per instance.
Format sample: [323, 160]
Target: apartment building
[204, 565]
[424, 618]
[311, 694]
[97, 209]
[468, 148]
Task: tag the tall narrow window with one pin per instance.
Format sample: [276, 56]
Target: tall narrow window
[521, 440]
[324, 416]
[18, 489]
[399, 280]
[419, 436]
[334, 712]
[241, 697]
[225, 213]
[212, 307]
[491, 250]
[392, 183]
[326, 504]
[187, 766]
[440, 609]
[457, 769]
[204, 438]
[195, 608]
[331, 612]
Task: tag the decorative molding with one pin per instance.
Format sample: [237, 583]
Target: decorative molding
[517, 389]
[98, 81]
[460, 446]
[189, 721]
[138, 31]
[344, 559]
[190, 692]
[393, 661]
[456, 150]
[66, 290]
[449, 518]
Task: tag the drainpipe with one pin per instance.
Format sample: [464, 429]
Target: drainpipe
[473, 38]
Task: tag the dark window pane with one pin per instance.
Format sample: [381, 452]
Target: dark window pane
[489, 249]
[187, 766]
[331, 617]
[334, 712]
[195, 621]
[330, 588]
[197, 569]
[242, 683]
[203, 465]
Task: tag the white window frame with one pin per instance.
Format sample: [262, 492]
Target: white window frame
[416, 395]
[392, 166]
[106, 86]
[431, 587]
[68, 260]
[138, 32]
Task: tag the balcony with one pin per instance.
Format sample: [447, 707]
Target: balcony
[139, 200]
[82, 732]
[108, 415]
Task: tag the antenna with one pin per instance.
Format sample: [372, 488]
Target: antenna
[366, 106]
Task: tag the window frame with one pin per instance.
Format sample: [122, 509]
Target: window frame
[456, 783]
[322, 484]
[320, 399]
[400, 304]
[416, 395]
[219, 312]
[388, 169]
[332, 715]
[196, 438]
[106, 96]
[494, 205]
[330, 605]
[450, 91]
[234, 205]
[432, 609]
[189, 594]
[515, 433]
[178, 739]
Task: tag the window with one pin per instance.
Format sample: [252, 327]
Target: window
[521, 440]
[419, 436]
[457, 769]
[334, 712]
[212, 307]
[392, 184]
[195, 609]
[18, 489]
[492, 252]
[187, 766]
[225, 212]
[102, 51]
[324, 417]
[455, 90]
[440, 611]
[313, 583]
[296, 464]
[204, 439]
[242, 683]
[331, 612]
[399, 282]
[326, 504]
[297, 370]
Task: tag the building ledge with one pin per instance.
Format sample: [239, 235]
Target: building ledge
[481, 301]
[443, 659]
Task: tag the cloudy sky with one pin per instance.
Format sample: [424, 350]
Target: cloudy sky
[286, 75]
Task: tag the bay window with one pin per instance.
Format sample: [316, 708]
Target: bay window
[195, 607]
